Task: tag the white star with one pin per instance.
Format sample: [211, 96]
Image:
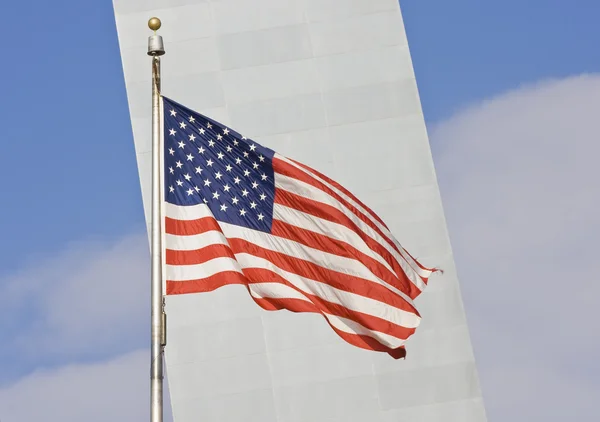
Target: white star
[218, 175]
[237, 180]
[192, 119]
[197, 188]
[246, 173]
[254, 185]
[207, 182]
[201, 150]
[220, 155]
[238, 160]
[228, 167]
[242, 212]
[181, 144]
[260, 217]
[211, 143]
[224, 208]
[208, 125]
[226, 188]
[229, 149]
[173, 112]
[171, 151]
[246, 154]
[171, 170]
[201, 131]
[179, 183]
[261, 158]
[172, 132]
[234, 200]
[235, 142]
[244, 138]
[225, 131]
[190, 192]
[171, 189]
[219, 137]
[179, 164]
[209, 162]
[252, 204]
[192, 137]
[190, 157]
[244, 193]
[198, 169]
[255, 165]
[263, 196]
[252, 147]
[263, 176]
[182, 125]
[187, 177]
[216, 195]
[205, 201]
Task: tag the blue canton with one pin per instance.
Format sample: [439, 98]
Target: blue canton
[208, 162]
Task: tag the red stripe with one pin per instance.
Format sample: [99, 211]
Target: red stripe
[334, 246]
[190, 227]
[197, 256]
[310, 270]
[358, 213]
[297, 266]
[301, 306]
[343, 190]
[202, 225]
[207, 284]
[433, 270]
[260, 275]
[292, 305]
[369, 343]
[289, 170]
[329, 213]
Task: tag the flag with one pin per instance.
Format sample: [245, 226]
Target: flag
[236, 212]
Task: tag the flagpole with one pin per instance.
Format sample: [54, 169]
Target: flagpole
[155, 50]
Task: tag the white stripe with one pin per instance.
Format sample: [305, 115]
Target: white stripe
[281, 291]
[351, 267]
[194, 242]
[267, 241]
[326, 228]
[199, 271]
[341, 264]
[353, 327]
[410, 261]
[310, 192]
[348, 300]
[275, 291]
[187, 212]
[326, 292]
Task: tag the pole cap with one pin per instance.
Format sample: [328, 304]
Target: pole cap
[154, 24]
[155, 41]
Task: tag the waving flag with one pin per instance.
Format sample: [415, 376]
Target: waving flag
[239, 213]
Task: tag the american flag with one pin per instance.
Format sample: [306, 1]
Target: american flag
[239, 213]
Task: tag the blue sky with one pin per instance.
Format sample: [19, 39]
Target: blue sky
[67, 160]
[67, 147]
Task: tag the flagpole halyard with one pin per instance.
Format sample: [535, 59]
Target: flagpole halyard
[155, 50]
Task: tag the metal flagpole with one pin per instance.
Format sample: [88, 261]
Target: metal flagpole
[155, 50]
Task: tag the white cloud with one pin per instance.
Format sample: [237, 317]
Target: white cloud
[114, 390]
[91, 298]
[88, 303]
[519, 178]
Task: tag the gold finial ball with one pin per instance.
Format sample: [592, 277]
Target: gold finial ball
[154, 24]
